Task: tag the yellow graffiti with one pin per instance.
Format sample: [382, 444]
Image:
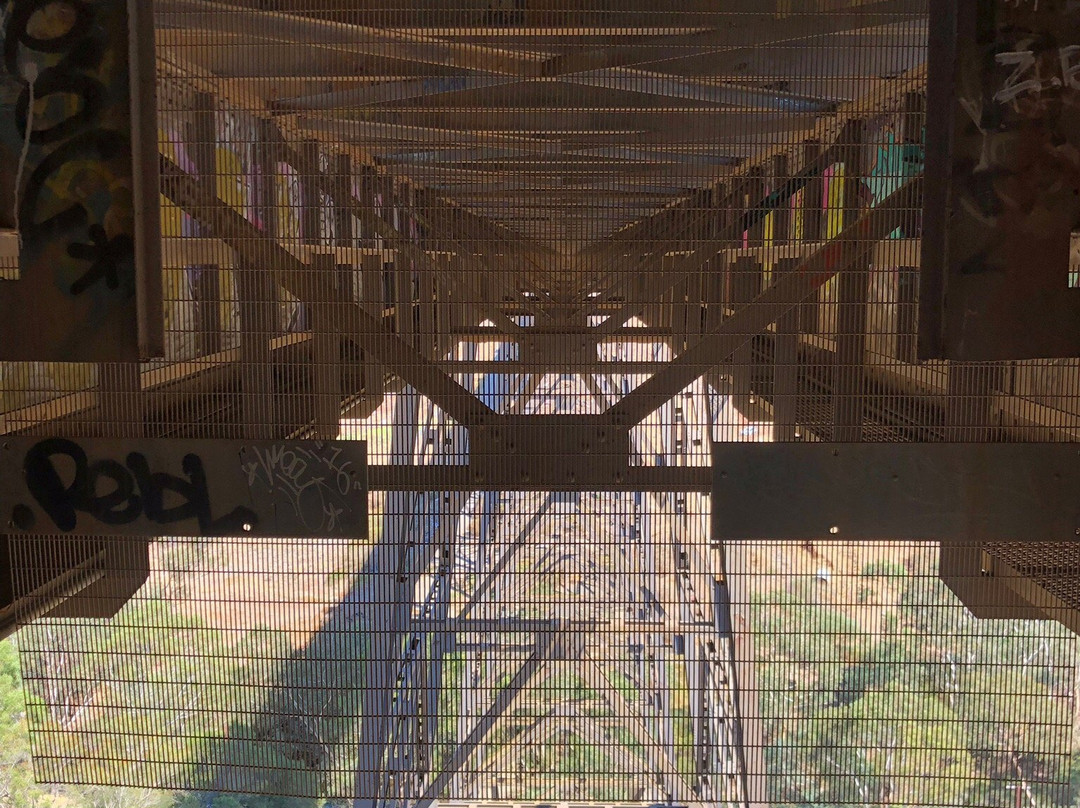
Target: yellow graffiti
[172, 218]
[52, 21]
[835, 206]
[232, 180]
[799, 216]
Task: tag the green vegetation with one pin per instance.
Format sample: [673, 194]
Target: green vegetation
[890, 747]
[884, 568]
[937, 708]
[889, 694]
[17, 786]
[189, 687]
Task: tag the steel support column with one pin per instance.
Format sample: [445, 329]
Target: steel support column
[388, 611]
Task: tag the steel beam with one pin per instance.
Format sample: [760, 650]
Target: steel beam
[750, 217]
[885, 93]
[357, 40]
[661, 766]
[853, 245]
[546, 365]
[349, 319]
[500, 566]
[370, 217]
[849, 361]
[785, 379]
[258, 296]
[548, 646]
[949, 492]
[723, 45]
[389, 610]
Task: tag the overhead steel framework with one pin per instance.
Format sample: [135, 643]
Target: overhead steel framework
[542, 256]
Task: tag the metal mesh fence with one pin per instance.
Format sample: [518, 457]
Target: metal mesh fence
[523, 248]
[581, 666]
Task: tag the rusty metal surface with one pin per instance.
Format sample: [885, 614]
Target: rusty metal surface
[1004, 194]
[158, 487]
[946, 492]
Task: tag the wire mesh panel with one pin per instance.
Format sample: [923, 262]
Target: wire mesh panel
[589, 664]
[234, 668]
[876, 687]
[542, 257]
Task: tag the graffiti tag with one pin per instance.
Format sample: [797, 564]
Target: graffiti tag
[317, 486]
[116, 493]
[67, 63]
[1032, 76]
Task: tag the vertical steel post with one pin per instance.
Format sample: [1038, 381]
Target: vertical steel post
[372, 293]
[389, 608]
[746, 284]
[310, 203]
[258, 297]
[785, 365]
[810, 309]
[206, 283]
[852, 293]
[327, 368]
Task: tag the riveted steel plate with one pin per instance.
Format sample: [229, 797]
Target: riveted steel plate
[947, 492]
[159, 487]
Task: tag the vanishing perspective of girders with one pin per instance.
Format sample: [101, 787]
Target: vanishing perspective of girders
[550, 646]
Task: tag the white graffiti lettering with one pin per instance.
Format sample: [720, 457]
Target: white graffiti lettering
[1070, 66]
[1028, 78]
[315, 485]
[1023, 63]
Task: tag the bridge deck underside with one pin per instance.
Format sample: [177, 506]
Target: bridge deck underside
[541, 257]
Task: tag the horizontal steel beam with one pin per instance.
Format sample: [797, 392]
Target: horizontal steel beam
[522, 625]
[551, 366]
[959, 492]
[721, 122]
[854, 244]
[627, 334]
[357, 40]
[658, 479]
[745, 30]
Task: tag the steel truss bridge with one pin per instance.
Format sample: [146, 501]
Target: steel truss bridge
[504, 593]
[563, 251]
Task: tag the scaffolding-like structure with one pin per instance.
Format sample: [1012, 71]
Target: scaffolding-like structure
[543, 257]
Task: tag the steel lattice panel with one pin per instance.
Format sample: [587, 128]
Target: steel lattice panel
[232, 671]
[542, 257]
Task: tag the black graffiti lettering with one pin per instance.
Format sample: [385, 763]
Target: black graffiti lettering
[116, 494]
[82, 53]
[77, 75]
[106, 255]
[43, 480]
[103, 507]
[238, 520]
[88, 91]
[89, 145]
[158, 486]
